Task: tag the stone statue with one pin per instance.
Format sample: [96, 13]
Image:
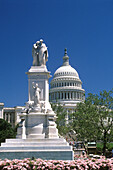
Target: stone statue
[39, 53]
[36, 94]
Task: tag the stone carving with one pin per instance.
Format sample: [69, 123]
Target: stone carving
[36, 94]
[39, 53]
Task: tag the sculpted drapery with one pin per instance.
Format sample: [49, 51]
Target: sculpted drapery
[39, 53]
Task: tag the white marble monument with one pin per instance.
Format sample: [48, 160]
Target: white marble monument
[37, 135]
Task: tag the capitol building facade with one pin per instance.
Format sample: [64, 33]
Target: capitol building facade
[66, 86]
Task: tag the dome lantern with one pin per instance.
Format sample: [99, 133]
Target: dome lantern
[65, 58]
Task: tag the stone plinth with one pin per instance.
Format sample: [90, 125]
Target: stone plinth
[56, 149]
[37, 125]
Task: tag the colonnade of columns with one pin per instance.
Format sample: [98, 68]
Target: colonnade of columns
[61, 84]
[10, 117]
[66, 95]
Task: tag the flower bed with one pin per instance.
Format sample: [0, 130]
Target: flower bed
[79, 164]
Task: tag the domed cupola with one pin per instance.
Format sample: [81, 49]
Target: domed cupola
[66, 86]
[66, 69]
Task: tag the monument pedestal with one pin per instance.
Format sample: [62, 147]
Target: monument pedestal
[48, 149]
[37, 125]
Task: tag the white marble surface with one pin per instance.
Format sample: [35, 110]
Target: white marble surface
[1, 110]
[39, 53]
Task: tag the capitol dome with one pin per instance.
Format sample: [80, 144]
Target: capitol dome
[66, 86]
[66, 70]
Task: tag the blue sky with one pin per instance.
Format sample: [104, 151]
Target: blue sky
[84, 27]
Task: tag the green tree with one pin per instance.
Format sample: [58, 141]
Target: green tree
[93, 119]
[60, 120]
[6, 131]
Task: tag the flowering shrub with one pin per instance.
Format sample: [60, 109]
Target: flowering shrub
[78, 164]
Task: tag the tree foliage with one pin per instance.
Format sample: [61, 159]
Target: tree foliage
[93, 119]
[60, 121]
[84, 121]
[6, 131]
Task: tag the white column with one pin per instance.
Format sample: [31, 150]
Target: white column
[60, 95]
[8, 117]
[66, 95]
[1, 110]
[23, 130]
[57, 95]
[69, 95]
[76, 95]
[63, 95]
[66, 117]
[72, 113]
[80, 95]
[73, 95]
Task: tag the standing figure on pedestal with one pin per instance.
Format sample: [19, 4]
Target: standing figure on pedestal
[36, 94]
[39, 53]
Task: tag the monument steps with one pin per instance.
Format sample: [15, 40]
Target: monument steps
[31, 144]
[35, 144]
[36, 148]
[45, 140]
[57, 149]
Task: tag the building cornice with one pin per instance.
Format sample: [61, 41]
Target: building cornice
[69, 88]
[65, 78]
